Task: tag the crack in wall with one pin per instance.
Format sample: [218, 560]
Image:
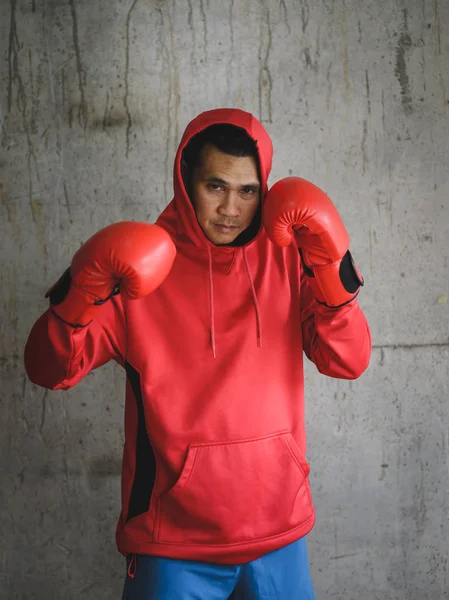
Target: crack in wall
[126, 95]
[12, 53]
[203, 17]
[174, 74]
[403, 46]
[283, 6]
[305, 15]
[443, 344]
[368, 98]
[67, 202]
[437, 26]
[43, 410]
[265, 79]
[15, 77]
[193, 30]
[345, 54]
[82, 108]
[106, 112]
[329, 86]
[173, 92]
[363, 145]
[230, 62]
[34, 92]
[55, 114]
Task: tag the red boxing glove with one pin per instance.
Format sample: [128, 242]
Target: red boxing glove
[297, 210]
[128, 258]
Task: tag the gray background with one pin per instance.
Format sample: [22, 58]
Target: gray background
[94, 97]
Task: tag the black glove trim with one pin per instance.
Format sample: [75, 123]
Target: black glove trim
[74, 325]
[349, 274]
[115, 291]
[58, 292]
[340, 305]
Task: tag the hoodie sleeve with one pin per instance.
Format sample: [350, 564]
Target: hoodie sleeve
[336, 340]
[58, 355]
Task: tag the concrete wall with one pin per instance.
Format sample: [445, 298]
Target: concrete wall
[94, 97]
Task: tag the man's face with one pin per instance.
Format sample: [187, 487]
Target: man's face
[226, 193]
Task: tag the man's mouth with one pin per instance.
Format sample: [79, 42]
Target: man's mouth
[225, 228]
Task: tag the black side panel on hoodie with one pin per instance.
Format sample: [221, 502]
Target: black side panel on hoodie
[145, 470]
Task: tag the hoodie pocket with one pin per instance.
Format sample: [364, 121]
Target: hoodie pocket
[235, 492]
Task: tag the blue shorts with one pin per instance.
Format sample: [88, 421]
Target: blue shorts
[280, 575]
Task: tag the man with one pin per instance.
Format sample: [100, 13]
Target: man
[210, 323]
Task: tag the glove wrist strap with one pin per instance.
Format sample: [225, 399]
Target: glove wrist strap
[69, 303]
[337, 283]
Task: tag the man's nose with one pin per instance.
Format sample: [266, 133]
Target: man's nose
[229, 207]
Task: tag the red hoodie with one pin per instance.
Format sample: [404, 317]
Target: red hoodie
[214, 465]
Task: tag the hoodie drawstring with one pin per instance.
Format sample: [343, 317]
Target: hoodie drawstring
[211, 301]
[256, 303]
[132, 566]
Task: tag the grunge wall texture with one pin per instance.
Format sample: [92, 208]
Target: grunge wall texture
[94, 97]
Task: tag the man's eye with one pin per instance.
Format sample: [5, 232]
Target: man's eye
[248, 191]
[214, 187]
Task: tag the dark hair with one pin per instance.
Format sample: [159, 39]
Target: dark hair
[227, 138]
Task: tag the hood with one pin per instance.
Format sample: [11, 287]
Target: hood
[179, 217]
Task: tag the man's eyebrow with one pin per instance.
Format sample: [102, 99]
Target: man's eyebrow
[253, 186]
[212, 179]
